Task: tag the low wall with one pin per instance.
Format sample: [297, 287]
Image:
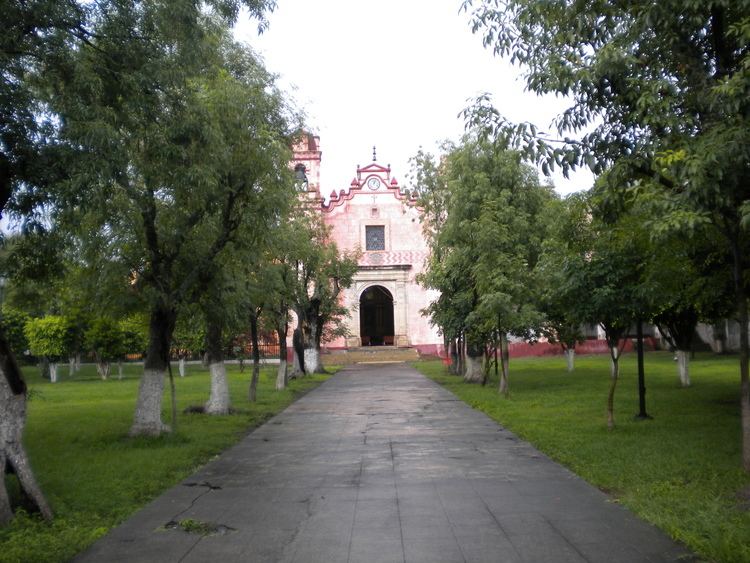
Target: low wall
[525, 349]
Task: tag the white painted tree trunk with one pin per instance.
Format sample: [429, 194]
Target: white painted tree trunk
[683, 367]
[570, 358]
[102, 368]
[12, 421]
[119, 370]
[504, 387]
[71, 365]
[181, 367]
[147, 418]
[473, 372]
[281, 377]
[53, 372]
[312, 360]
[218, 400]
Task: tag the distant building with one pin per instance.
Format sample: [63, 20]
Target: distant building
[374, 215]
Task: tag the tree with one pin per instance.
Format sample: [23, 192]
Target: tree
[600, 277]
[661, 88]
[49, 337]
[105, 339]
[194, 140]
[562, 315]
[487, 225]
[280, 286]
[189, 336]
[134, 332]
[321, 274]
[691, 282]
[13, 324]
[38, 39]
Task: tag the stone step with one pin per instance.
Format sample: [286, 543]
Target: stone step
[372, 354]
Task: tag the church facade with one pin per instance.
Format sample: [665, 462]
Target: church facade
[376, 217]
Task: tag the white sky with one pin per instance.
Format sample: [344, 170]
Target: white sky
[389, 73]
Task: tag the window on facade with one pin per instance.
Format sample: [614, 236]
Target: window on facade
[375, 237]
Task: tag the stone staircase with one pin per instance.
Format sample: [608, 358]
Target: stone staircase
[371, 354]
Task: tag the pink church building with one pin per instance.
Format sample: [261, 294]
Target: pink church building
[375, 216]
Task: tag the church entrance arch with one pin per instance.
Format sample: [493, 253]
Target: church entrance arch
[376, 317]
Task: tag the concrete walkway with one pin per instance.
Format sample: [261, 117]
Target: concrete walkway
[381, 464]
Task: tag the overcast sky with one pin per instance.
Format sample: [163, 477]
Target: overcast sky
[389, 73]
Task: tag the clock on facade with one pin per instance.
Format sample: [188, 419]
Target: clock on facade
[373, 183]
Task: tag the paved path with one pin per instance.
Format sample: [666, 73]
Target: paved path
[382, 464]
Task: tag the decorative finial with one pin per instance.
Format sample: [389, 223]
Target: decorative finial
[374, 156]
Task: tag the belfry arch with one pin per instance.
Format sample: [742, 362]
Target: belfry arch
[376, 327]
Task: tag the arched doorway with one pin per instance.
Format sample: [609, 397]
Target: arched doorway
[376, 317]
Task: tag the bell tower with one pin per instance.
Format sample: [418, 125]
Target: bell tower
[306, 162]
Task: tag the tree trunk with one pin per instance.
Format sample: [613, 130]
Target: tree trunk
[453, 347]
[742, 318]
[312, 360]
[311, 352]
[614, 352]
[44, 367]
[12, 421]
[119, 370]
[253, 393]
[642, 414]
[570, 359]
[474, 355]
[504, 362]
[78, 361]
[282, 380]
[487, 366]
[297, 362]
[181, 366]
[147, 417]
[298, 368]
[683, 367]
[71, 365]
[102, 368]
[53, 372]
[218, 400]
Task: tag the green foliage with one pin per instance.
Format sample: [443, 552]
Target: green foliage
[660, 89]
[321, 272]
[95, 476]
[679, 471]
[134, 331]
[48, 336]
[488, 223]
[599, 266]
[645, 76]
[14, 323]
[189, 337]
[105, 338]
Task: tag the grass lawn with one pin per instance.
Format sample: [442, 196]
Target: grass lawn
[94, 476]
[680, 471]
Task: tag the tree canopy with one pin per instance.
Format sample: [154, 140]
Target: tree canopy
[659, 101]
